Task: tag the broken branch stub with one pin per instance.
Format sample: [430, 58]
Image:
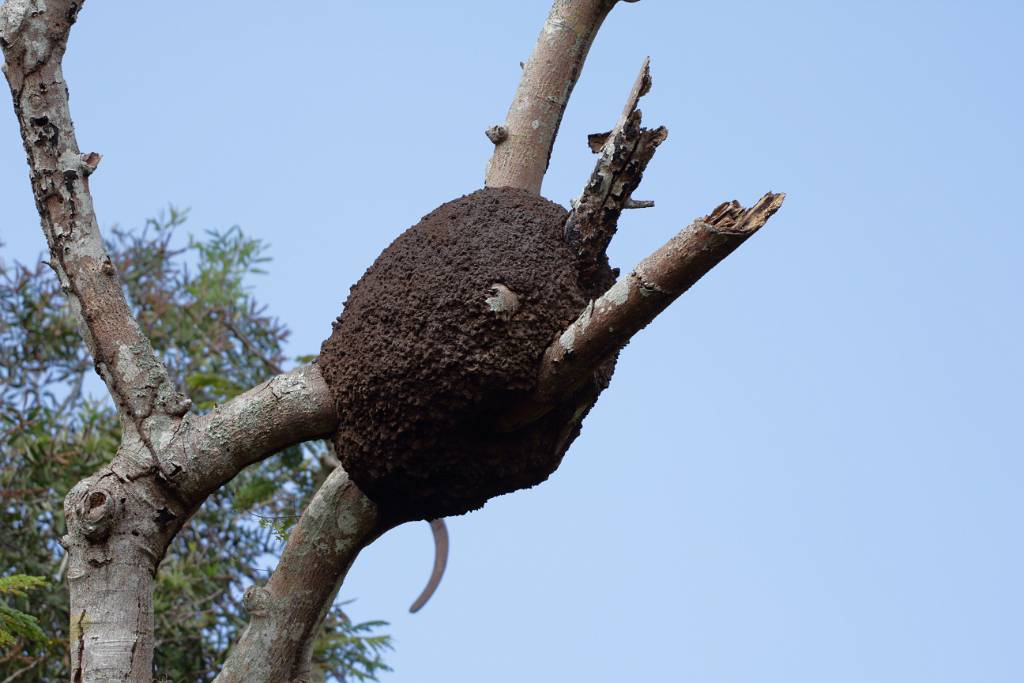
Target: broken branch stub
[625, 152]
[581, 352]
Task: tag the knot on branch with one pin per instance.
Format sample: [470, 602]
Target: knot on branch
[257, 601]
[97, 511]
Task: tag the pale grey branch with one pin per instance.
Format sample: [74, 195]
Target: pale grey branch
[211, 449]
[637, 298]
[521, 156]
[608, 323]
[286, 613]
[33, 35]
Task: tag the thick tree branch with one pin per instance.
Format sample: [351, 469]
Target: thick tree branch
[625, 152]
[523, 144]
[33, 35]
[122, 518]
[285, 615]
[209, 450]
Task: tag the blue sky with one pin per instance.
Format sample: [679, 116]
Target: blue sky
[808, 469]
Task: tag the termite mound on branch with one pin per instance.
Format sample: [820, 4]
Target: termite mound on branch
[443, 333]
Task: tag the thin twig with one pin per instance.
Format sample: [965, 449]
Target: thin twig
[17, 674]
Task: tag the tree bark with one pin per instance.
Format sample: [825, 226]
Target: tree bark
[121, 519]
[111, 631]
[209, 450]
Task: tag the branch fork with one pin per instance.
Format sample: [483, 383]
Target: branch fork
[121, 519]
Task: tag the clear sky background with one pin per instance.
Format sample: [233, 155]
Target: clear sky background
[808, 469]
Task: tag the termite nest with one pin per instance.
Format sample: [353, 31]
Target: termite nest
[439, 339]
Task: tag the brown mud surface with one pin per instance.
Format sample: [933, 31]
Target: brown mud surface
[420, 366]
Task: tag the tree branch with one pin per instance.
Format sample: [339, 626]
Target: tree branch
[523, 144]
[625, 152]
[33, 35]
[121, 519]
[209, 450]
[608, 323]
[285, 615]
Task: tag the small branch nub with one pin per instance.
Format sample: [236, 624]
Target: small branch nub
[90, 161]
[257, 601]
[631, 203]
[497, 134]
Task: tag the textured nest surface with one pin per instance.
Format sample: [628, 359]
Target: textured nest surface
[421, 366]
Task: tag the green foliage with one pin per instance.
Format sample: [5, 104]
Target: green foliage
[15, 624]
[57, 426]
[20, 584]
[352, 651]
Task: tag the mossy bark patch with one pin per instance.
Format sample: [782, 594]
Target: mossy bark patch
[422, 365]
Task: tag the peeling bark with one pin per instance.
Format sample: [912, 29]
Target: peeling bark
[625, 152]
[522, 151]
